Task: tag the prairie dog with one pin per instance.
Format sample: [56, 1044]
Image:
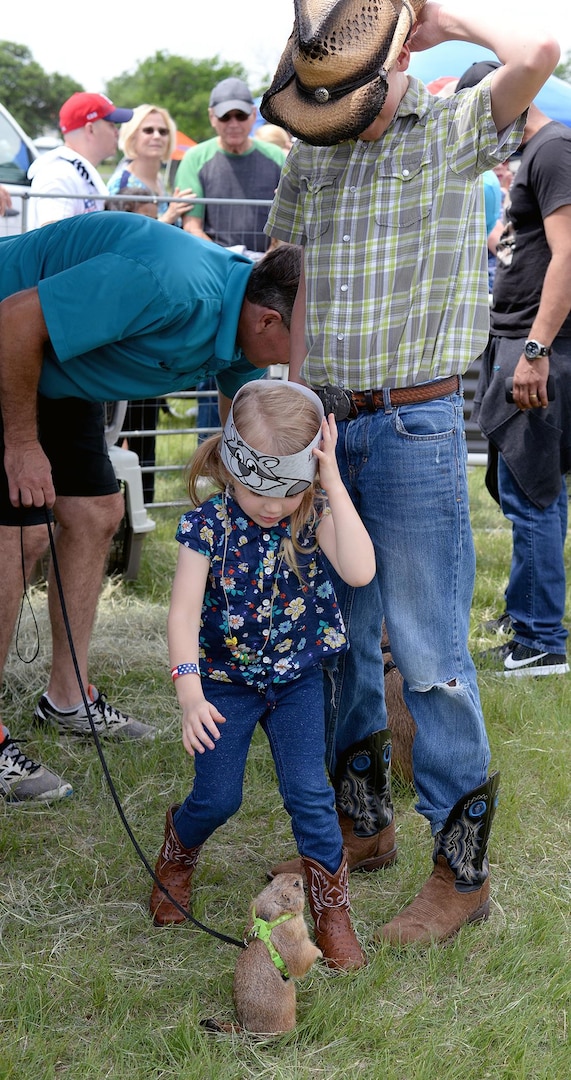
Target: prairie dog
[263, 998]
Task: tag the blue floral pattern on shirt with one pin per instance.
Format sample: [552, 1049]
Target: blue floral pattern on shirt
[122, 178]
[305, 623]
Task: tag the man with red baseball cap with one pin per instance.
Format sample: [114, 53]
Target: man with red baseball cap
[82, 109]
[89, 125]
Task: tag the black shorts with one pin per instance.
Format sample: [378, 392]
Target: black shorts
[72, 434]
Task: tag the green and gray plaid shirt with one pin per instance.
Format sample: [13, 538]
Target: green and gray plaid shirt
[395, 241]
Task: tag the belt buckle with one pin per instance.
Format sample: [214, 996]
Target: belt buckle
[336, 400]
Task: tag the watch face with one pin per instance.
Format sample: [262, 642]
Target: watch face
[532, 349]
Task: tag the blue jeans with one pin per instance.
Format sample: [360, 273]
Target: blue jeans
[405, 469]
[292, 716]
[535, 596]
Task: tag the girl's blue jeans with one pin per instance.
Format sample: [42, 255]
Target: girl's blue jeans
[292, 716]
[405, 469]
[535, 596]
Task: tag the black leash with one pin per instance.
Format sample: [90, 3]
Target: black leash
[207, 929]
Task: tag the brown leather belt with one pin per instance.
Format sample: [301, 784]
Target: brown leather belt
[403, 395]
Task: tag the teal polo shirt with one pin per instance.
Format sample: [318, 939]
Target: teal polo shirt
[134, 308]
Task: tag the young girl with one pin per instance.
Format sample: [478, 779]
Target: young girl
[253, 614]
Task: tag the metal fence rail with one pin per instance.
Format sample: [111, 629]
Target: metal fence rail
[21, 201]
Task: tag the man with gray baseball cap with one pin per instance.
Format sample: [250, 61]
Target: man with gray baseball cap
[232, 165]
[231, 94]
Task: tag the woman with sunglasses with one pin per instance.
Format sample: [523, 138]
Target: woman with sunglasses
[147, 141]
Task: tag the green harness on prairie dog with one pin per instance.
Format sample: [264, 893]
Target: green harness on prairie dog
[262, 929]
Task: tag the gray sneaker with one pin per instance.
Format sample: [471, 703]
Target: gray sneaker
[109, 722]
[21, 778]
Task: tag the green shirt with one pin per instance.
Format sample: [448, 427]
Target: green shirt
[395, 241]
[216, 174]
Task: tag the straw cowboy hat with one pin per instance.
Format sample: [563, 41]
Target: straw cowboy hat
[331, 81]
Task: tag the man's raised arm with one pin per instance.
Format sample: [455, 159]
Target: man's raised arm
[527, 52]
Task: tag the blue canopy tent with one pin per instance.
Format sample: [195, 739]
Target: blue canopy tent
[259, 118]
[453, 57]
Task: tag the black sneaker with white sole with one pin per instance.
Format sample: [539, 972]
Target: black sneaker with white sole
[522, 660]
[108, 721]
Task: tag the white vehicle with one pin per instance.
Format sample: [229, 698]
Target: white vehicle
[17, 152]
[47, 142]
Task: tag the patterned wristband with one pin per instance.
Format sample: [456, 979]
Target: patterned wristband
[184, 669]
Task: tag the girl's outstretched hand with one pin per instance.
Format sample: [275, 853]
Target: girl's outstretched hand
[199, 726]
[325, 454]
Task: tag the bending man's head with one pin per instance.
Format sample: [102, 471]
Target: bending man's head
[263, 329]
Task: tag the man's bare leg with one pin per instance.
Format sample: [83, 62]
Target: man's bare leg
[83, 534]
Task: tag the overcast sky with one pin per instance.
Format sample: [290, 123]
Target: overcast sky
[72, 38]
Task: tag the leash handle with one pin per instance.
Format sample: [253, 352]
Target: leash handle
[25, 599]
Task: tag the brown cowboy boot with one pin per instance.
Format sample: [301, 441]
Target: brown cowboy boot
[458, 890]
[328, 896]
[362, 785]
[174, 869]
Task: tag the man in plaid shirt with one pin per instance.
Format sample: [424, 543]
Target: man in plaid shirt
[391, 309]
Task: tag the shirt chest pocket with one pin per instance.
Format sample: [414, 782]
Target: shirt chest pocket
[403, 191]
[232, 573]
[318, 199]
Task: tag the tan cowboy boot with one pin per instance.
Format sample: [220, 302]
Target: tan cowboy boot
[458, 890]
[362, 785]
[328, 896]
[174, 869]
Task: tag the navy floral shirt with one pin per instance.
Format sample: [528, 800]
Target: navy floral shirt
[264, 641]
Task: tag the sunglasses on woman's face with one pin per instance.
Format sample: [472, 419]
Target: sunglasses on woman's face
[151, 130]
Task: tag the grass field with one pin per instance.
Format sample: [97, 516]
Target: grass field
[90, 990]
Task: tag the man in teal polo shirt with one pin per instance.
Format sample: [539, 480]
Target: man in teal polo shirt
[100, 308]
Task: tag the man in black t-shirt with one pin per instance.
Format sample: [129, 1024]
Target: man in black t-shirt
[530, 437]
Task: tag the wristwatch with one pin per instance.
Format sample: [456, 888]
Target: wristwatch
[533, 349]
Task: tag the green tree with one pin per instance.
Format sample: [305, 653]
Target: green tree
[178, 84]
[563, 69]
[31, 95]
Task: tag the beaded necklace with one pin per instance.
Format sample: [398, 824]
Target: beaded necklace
[241, 652]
